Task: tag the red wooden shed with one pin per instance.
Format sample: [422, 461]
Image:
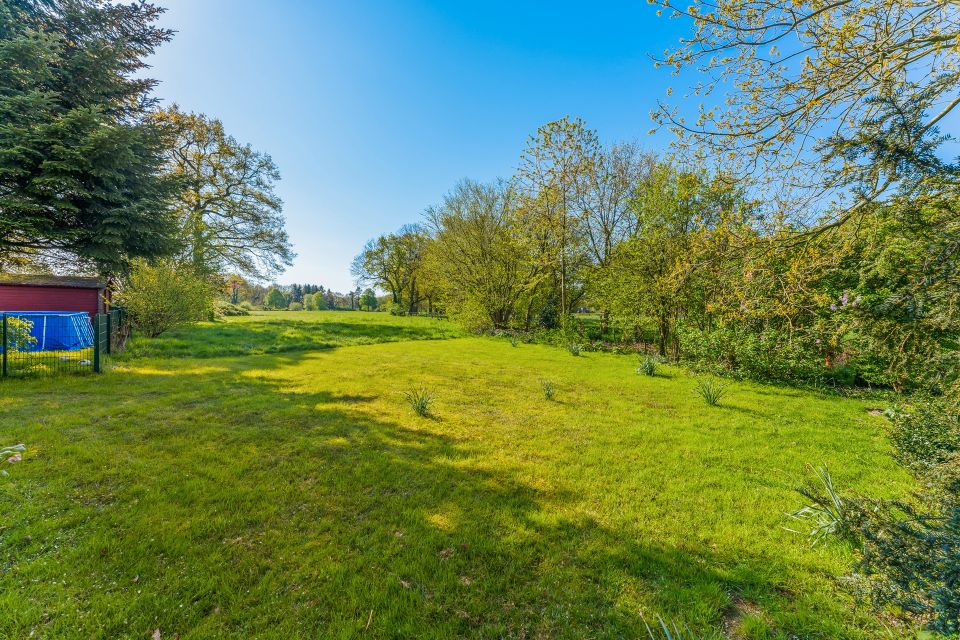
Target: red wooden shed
[53, 293]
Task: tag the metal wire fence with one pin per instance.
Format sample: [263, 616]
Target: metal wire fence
[47, 343]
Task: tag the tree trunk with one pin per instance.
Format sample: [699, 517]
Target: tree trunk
[664, 331]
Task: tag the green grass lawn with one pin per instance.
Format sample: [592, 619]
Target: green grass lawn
[212, 492]
[285, 331]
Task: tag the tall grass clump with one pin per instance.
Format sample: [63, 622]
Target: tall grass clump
[648, 366]
[827, 513]
[574, 348]
[549, 391]
[419, 400]
[711, 390]
[670, 631]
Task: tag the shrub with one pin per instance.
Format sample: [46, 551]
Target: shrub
[548, 389]
[768, 355]
[908, 559]
[295, 306]
[925, 434]
[711, 390]
[549, 316]
[224, 308]
[648, 366]
[514, 341]
[419, 400]
[574, 348]
[827, 513]
[161, 295]
[19, 337]
[309, 302]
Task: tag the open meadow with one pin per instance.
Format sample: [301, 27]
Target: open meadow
[265, 477]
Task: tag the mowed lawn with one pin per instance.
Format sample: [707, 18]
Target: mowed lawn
[289, 492]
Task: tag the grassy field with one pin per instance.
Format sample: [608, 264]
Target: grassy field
[263, 477]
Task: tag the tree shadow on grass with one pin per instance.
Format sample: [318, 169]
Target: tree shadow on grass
[227, 505]
[258, 337]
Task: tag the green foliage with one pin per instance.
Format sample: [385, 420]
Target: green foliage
[514, 341]
[904, 260]
[223, 308]
[926, 433]
[419, 400]
[827, 513]
[19, 336]
[393, 262]
[229, 215]
[473, 262]
[368, 300]
[314, 302]
[908, 559]
[295, 306]
[574, 348]
[663, 630]
[549, 390]
[81, 171]
[648, 366]
[909, 553]
[770, 355]
[276, 299]
[711, 390]
[164, 294]
[780, 124]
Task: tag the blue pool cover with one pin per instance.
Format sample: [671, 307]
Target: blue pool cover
[57, 330]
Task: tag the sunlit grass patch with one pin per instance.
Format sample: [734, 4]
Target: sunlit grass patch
[291, 494]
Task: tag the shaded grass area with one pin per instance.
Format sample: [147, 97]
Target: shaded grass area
[297, 495]
[49, 363]
[265, 332]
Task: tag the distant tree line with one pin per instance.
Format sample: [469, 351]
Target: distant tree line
[681, 257]
[298, 297]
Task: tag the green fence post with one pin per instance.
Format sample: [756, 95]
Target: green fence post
[109, 332]
[97, 321]
[4, 345]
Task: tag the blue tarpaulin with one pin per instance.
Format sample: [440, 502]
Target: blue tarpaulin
[56, 330]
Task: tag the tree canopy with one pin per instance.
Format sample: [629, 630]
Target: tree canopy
[229, 215]
[393, 262]
[81, 166]
[835, 103]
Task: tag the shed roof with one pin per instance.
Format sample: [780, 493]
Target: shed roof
[78, 282]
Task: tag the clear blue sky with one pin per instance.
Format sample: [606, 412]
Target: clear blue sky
[373, 109]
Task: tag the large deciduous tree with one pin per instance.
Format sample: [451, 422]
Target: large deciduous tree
[480, 273]
[652, 274]
[80, 159]
[229, 215]
[393, 262]
[551, 176]
[835, 102]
